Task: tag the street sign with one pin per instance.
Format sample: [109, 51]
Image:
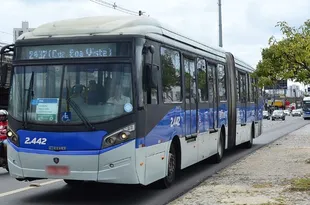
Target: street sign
[280, 84]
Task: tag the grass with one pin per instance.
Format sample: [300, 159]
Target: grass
[301, 184]
[262, 185]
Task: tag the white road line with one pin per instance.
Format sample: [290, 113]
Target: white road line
[28, 188]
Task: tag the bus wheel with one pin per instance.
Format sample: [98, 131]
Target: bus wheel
[172, 168]
[220, 149]
[249, 144]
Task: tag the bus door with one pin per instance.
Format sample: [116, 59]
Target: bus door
[213, 106]
[191, 113]
[191, 99]
[242, 108]
[213, 98]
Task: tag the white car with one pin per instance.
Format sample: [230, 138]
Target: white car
[296, 113]
[287, 112]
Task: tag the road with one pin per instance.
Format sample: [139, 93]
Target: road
[52, 192]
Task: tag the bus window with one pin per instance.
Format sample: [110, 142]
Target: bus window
[242, 87]
[202, 80]
[251, 89]
[211, 82]
[222, 82]
[171, 75]
[237, 86]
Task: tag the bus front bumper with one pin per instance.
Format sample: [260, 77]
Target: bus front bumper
[112, 165]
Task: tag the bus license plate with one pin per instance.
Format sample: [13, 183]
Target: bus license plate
[57, 170]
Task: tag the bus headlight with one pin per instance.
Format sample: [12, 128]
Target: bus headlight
[13, 137]
[120, 136]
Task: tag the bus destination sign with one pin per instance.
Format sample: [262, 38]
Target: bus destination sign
[74, 51]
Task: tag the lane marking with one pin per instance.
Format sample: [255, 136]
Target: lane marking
[28, 188]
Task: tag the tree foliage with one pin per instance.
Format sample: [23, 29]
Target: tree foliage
[288, 58]
[170, 78]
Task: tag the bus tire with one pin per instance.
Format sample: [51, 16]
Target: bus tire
[249, 143]
[217, 158]
[172, 168]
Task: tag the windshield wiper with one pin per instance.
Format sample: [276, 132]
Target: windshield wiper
[28, 100]
[78, 111]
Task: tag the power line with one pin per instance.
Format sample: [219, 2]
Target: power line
[116, 7]
[4, 43]
[6, 33]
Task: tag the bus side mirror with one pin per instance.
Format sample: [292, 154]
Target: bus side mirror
[151, 76]
[150, 71]
[3, 74]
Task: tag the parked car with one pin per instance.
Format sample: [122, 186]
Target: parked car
[287, 112]
[266, 115]
[278, 115]
[300, 110]
[296, 113]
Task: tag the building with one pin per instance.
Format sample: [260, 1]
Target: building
[19, 31]
[294, 91]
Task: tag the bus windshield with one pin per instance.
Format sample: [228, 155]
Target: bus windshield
[306, 106]
[62, 93]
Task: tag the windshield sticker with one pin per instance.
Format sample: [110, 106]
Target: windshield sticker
[128, 107]
[66, 116]
[47, 109]
[34, 102]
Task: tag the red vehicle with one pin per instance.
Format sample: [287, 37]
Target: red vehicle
[3, 127]
[3, 138]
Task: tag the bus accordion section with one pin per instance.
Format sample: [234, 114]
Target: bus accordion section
[129, 102]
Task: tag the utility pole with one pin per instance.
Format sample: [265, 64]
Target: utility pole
[220, 24]
[295, 97]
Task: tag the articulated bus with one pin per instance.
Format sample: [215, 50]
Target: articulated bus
[306, 108]
[124, 100]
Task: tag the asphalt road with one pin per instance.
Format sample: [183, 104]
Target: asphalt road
[55, 192]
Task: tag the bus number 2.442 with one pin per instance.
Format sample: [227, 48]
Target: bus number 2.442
[175, 121]
[40, 141]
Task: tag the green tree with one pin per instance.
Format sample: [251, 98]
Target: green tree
[288, 58]
[170, 77]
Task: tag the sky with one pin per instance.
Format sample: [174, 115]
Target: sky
[247, 24]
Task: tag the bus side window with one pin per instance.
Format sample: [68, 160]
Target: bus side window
[238, 86]
[250, 89]
[256, 95]
[253, 88]
[222, 82]
[171, 75]
[242, 87]
[202, 80]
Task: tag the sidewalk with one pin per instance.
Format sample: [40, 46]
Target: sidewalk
[276, 174]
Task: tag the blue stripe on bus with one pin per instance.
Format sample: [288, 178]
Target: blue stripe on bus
[164, 132]
[176, 122]
[71, 140]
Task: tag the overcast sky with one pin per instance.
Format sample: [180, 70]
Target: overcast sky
[247, 24]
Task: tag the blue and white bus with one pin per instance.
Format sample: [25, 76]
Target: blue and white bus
[306, 108]
[124, 100]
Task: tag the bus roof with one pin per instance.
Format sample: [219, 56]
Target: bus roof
[119, 25]
[306, 99]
